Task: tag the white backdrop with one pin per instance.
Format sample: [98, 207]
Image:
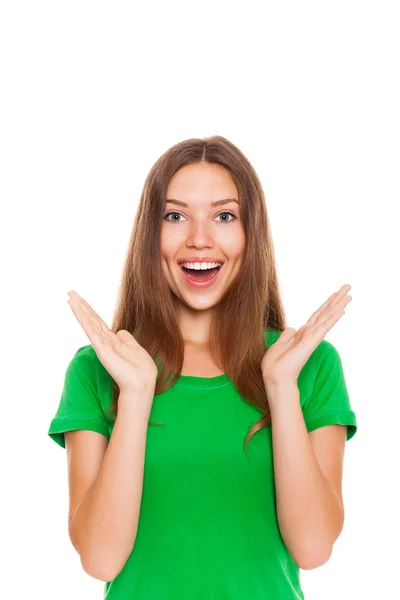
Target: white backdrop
[91, 94]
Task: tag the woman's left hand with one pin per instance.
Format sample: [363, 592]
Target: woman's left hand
[286, 357]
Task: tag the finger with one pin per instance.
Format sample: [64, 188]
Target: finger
[329, 303]
[323, 328]
[92, 314]
[333, 299]
[89, 325]
[95, 318]
[95, 328]
[330, 319]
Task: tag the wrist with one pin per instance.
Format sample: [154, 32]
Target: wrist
[283, 384]
[132, 401]
[281, 392]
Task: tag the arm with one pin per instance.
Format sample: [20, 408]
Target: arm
[104, 524]
[310, 516]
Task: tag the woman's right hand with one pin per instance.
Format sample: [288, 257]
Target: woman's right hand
[128, 363]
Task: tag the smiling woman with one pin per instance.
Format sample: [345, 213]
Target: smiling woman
[201, 236]
[184, 479]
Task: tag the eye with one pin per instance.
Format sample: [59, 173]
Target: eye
[226, 213]
[176, 213]
[171, 213]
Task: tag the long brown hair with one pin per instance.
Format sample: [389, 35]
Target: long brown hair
[146, 307]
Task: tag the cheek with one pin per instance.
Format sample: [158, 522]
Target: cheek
[166, 271]
[170, 240]
[233, 243]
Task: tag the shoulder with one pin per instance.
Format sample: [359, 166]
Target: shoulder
[84, 359]
[324, 353]
[82, 365]
[87, 362]
[87, 354]
[87, 351]
[86, 372]
[324, 365]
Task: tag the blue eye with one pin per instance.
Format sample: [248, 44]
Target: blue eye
[176, 213]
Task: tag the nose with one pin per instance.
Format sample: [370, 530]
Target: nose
[200, 234]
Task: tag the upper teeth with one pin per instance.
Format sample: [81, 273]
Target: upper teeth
[203, 265]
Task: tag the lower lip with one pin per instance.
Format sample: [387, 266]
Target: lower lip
[201, 284]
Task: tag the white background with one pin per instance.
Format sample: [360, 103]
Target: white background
[91, 94]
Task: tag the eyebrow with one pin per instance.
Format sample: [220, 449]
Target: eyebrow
[216, 203]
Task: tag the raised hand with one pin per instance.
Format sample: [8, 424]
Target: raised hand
[284, 360]
[128, 363]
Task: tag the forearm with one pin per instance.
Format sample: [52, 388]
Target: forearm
[309, 513]
[104, 525]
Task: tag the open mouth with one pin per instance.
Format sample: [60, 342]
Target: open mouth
[200, 275]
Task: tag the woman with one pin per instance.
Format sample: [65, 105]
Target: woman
[204, 437]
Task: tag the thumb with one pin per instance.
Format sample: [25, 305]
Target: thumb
[124, 336]
[287, 334]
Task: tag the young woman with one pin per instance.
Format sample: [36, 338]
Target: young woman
[205, 438]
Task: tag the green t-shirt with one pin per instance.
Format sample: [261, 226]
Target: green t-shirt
[208, 526]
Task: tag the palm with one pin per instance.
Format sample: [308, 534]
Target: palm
[284, 360]
[123, 357]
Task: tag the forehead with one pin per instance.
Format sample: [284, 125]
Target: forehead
[202, 183]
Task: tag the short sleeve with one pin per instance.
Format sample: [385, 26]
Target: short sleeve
[79, 406]
[329, 402]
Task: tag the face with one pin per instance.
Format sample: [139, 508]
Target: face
[201, 230]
